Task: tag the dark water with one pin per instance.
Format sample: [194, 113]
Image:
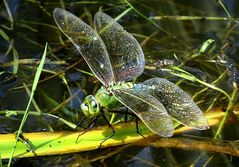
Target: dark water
[165, 42]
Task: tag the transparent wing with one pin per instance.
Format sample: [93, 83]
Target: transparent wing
[126, 55]
[87, 42]
[178, 103]
[148, 109]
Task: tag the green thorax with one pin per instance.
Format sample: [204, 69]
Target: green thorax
[106, 98]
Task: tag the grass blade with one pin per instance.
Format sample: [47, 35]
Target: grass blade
[34, 85]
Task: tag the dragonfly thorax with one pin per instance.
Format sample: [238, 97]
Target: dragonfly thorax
[105, 96]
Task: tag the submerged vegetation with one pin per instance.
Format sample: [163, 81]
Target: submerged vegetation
[44, 80]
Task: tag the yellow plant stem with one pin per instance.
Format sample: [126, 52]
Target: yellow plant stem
[51, 143]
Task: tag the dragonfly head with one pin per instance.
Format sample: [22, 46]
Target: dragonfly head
[90, 107]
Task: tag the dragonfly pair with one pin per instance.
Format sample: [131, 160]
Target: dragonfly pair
[115, 57]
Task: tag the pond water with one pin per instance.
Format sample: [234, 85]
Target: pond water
[198, 37]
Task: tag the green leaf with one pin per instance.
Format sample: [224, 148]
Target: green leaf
[4, 35]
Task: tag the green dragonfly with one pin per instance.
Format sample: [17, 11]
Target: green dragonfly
[115, 57]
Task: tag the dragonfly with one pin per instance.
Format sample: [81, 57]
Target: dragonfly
[115, 58]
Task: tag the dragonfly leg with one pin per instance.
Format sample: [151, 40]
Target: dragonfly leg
[126, 115]
[89, 127]
[127, 112]
[137, 126]
[93, 122]
[81, 122]
[113, 131]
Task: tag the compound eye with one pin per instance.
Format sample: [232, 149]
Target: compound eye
[84, 107]
[94, 105]
[90, 107]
